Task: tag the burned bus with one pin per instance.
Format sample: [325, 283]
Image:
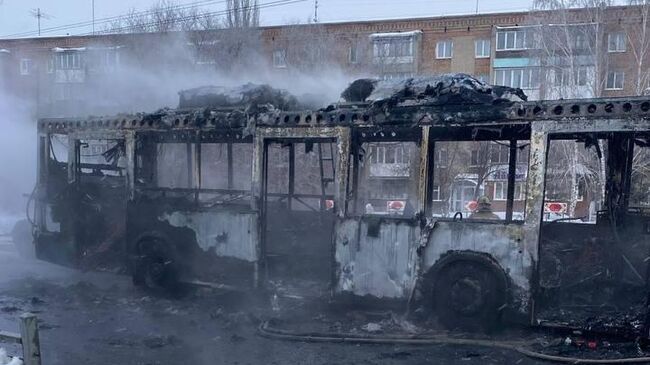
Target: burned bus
[372, 199]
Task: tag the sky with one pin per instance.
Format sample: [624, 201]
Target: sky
[16, 17]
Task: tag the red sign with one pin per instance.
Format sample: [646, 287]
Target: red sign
[555, 207]
[329, 204]
[396, 206]
[471, 205]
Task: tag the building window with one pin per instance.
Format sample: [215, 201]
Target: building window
[581, 42]
[500, 190]
[388, 154]
[520, 190]
[110, 59]
[50, 65]
[616, 42]
[435, 193]
[563, 77]
[280, 58]
[444, 49]
[581, 77]
[482, 48]
[499, 154]
[508, 40]
[442, 158]
[615, 80]
[398, 50]
[474, 158]
[69, 61]
[524, 78]
[25, 66]
[353, 54]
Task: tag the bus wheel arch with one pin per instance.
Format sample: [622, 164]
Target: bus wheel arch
[468, 290]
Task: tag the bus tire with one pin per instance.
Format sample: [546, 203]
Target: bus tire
[469, 295]
[155, 268]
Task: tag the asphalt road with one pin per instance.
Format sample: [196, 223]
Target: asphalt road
[99, 318]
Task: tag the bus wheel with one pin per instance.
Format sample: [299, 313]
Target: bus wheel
[155, 268]
[468, 296]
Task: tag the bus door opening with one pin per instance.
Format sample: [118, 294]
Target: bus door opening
[594, 239]
[299, 212]
[100, 199]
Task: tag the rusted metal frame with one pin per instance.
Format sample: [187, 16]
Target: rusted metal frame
[196, 170]
[385, 134]
[354, 191]
[619, 170]
[43, 168]
[430, 166]
[340, 134]
[292, 174]
[129, 146]
[231, 180]
[512, 172]
[307, 196]
[424, 172]
[535, 186]
[192, 190]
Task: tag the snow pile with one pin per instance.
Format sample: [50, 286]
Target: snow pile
[8, 360]
[438, 90]
[248, 96]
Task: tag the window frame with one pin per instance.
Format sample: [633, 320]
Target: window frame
[503, 196]
[531, 74]
[614, 80]
[620, 42]
[447, 45]
[353, 50]
[515, 35]
[484, 43]
[26, 65]
[280, 58]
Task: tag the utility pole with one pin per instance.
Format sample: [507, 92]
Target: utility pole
[477, 7]
[93, 17]
[38, 14]
[315, 11]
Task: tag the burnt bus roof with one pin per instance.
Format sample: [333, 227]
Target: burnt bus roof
[406, 113]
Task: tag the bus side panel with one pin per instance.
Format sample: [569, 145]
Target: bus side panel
[374, 257]
[214, 246]
[228, 234]
[502, 242]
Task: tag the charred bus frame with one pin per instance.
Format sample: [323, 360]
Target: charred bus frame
[474, 272]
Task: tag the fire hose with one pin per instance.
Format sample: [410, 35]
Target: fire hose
[265, 330]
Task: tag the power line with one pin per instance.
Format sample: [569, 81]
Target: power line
[38, 14]
[208, 14]
[116, 17]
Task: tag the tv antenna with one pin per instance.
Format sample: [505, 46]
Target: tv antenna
[38, 14]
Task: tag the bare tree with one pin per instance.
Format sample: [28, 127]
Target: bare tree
[569, 37]
[164, 16]
[638, 39]
[242, 14]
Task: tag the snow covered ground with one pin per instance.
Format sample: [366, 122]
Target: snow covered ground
[8, 360]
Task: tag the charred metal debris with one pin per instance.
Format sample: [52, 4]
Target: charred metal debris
[450, 100]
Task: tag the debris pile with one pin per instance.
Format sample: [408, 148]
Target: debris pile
[431, 90]
[249, 97]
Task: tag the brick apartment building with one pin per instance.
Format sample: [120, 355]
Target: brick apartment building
[580, 53]
[58, 72]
